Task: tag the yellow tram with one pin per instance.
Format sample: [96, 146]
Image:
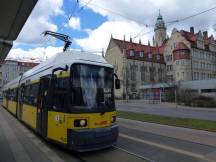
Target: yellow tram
[68, 100]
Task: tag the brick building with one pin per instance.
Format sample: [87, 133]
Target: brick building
[135, 64]
[10, 69]
[190, 56]
[186, 55]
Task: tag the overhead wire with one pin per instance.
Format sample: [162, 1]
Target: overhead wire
[177, 21]
[74, 10]
[119, 14]
[139, 34]
[191, 16]
[82, 8]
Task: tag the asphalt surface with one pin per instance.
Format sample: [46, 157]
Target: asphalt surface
[166, 109]
[138, 142]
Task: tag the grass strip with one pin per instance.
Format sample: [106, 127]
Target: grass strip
[206, 125]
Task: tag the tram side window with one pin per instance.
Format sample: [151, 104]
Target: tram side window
[30, 94]
[13, 94]
[25, 94]
[33, 94]
[6, 94]
[60, 96]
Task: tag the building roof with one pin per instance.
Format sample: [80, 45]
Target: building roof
[180, 46]
[192, 37]
[22, 62]
[198, 84]
[178, 55]
[157, 85]
[137, 47]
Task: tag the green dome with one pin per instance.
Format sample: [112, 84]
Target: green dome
[160, 22]
[159, 17]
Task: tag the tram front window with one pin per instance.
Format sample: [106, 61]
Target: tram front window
[92, 88]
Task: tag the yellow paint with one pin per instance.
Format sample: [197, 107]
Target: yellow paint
[35, 81]
[29, 115]
[58, 123]
[57, 127]
[4, 102]
[63, 74]
[12, 106]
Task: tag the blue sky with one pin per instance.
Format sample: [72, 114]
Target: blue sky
[91, 28]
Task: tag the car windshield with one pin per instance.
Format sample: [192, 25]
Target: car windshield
[92, 87]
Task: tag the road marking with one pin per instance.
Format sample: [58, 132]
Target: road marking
[188, 153]
[131, 153]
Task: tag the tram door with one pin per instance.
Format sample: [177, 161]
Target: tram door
[20, 101]
[42, 106]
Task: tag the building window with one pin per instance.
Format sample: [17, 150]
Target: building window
[150, 56]
[142, 70]
[131, 53]
[158, 57]
[133, 72]
[183, 74]
[141, 53]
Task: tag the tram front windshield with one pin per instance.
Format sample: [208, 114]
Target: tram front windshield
[92, 88]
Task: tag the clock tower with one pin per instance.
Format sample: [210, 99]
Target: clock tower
[160, 31]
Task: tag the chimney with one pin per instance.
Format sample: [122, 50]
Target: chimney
[205, 34]
[130, 39]
[192, 29]
[140, 41]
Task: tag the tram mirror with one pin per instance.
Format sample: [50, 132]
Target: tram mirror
[117, 84]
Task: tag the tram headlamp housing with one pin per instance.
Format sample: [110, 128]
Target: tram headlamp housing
[80, 122]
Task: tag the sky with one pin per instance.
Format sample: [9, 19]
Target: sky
[92, 22]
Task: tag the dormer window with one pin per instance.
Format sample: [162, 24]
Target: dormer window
[141, 53]
[150, 56]
[131, 53]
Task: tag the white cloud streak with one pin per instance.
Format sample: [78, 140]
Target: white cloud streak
[74, 23]
[39, 54]
[40, 20]
[144, 12]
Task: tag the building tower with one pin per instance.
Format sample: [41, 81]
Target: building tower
[160, 31]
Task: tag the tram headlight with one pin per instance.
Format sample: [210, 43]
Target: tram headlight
[113, 120]
[80, 123]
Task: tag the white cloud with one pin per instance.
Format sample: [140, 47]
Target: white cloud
[141, 12]
[74, 23]
[99, 38]
[40, 53]
[40, 20]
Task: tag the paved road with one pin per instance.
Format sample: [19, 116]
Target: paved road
[138, 142]
[167, 109]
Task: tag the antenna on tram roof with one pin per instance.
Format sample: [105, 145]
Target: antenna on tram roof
[62, 37]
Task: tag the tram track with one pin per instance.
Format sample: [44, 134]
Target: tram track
[134, 154]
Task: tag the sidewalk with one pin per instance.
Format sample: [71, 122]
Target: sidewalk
[19, 144]
[167, 104]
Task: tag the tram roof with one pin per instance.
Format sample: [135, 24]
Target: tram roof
[69, 58]
[61, 59]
